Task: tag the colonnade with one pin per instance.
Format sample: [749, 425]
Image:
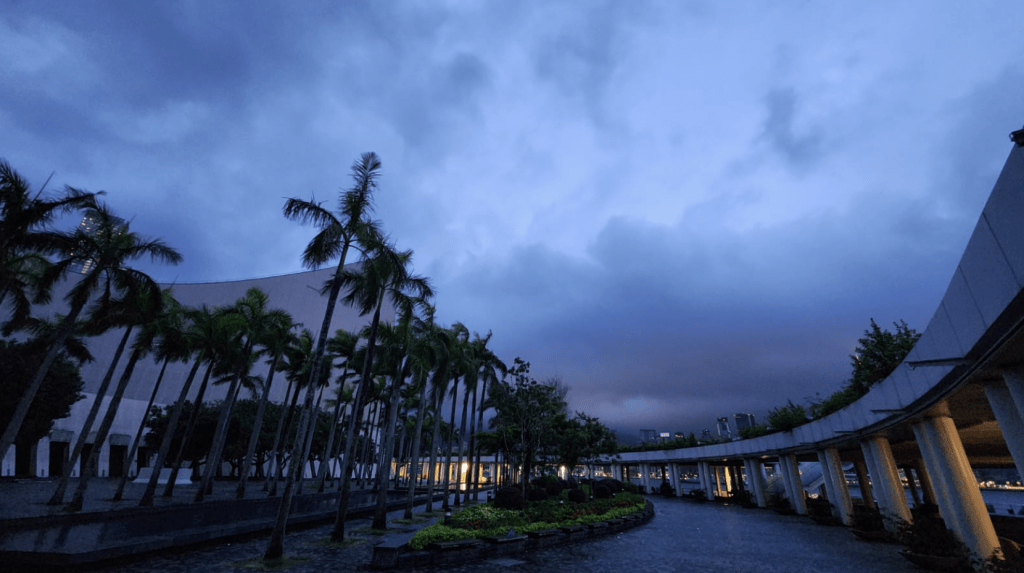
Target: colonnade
[940, 476]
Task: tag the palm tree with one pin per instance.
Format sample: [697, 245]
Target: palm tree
[124, 313]
[251, 320]
[274, 338]
[336, 236]
[384, 275]
[25, 241]
[169, 329]
[342, 345]
[445, 347]
[149, 308]
[490, 366]
[204, 336]
[108, 251]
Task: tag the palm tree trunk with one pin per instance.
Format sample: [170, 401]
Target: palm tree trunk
[193, 419]
[471, 475]
[380, 515]
[101, 435]
[172, 428]
[434, 442]
[21, 410]
[220, 437]
[250, 452]
[276, 546]
[448, 455]
[462, 441]
[308, 442]
[414, 455]
[321, 475]
[119, 494]
[480, 427]
[338, 533]
[58, 494]
[284, 423]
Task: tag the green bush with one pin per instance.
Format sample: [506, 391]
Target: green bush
[509, 498]
[787, 417]
[577, 496]
[754, 431]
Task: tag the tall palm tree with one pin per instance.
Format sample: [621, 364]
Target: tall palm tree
[490, 367]
[108, 251]
[337, 235]
[446, 346]
[385, 275]
[25, 240]
[423, 358]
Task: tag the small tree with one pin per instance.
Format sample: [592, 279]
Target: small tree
[879, 352]
[61, 387]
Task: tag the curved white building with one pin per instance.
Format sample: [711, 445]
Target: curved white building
[298, 294]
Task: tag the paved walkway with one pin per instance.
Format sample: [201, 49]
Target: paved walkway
[683, 537]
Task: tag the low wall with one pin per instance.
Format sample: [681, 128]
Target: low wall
[397, 555]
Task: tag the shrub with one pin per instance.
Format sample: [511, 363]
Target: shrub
[632, 487]
[554, 489]
[666, 489]
[577, 496]
[537, 494]
[509, 498]
[602, 492]
[613, 485]
[787, 417]
[754, 431]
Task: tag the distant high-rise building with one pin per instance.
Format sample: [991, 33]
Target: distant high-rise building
[91, 226]
[744, 421]
[648, 436]
[723, 428]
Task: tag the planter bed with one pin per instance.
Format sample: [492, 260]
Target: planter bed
[387, 557]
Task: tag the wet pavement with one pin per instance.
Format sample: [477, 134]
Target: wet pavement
[684, 536]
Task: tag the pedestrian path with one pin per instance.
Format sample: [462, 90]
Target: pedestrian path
[683, 537]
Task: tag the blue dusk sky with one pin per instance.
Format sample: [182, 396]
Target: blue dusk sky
[683, 210]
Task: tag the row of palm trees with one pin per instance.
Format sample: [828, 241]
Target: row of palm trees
[399, 374]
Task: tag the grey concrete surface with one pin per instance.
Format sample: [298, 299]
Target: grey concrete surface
[683, 537]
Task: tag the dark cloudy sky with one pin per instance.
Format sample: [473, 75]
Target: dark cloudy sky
[682, 209]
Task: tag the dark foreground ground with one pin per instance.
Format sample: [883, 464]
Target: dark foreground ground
[683, 537]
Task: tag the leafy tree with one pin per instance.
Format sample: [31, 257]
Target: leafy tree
[583, 439]
[879, 352]
[527, 413]
[60, 390]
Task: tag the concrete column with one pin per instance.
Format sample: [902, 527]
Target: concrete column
[1008, 415]
[787, 480]
[877, 491]
[709, 484]
[617, 471]
[912, 485]
[863, 483]
[799, 499]
[927, 489]
[673, 476]
[887, 480]
[841, 499]
[646, 471]
[757, 480]
[962, 507]
[1014, 378]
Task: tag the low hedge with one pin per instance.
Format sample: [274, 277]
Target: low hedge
[485, 520]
